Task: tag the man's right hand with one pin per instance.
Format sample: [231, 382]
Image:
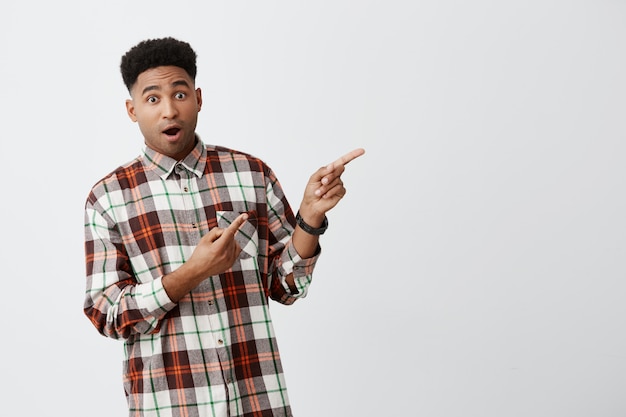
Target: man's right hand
[217, 252]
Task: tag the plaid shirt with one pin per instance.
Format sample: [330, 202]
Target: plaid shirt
[213, 353]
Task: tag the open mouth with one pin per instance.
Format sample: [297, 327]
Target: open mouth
[171, 132]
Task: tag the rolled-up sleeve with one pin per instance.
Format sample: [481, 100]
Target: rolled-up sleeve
[115, 302]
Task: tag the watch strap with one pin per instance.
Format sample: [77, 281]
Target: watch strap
[316, 231]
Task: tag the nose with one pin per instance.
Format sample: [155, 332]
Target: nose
[169, 109]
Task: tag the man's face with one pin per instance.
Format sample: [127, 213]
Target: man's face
[165, 104]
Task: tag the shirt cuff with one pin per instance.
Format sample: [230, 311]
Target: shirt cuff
[302, 269]
[152, 298]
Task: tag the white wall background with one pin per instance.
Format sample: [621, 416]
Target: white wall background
[476, 267]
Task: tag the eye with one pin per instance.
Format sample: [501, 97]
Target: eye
[180, 95]
[152, 99]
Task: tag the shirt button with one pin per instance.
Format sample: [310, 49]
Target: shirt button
[220, 342]
[186, 189]
[194, 225]
[210, 302]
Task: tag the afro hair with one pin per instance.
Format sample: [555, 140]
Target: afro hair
[154, 53]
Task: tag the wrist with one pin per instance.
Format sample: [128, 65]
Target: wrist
[312, 227]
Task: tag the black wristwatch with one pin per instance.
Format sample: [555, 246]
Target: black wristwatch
[316, 231]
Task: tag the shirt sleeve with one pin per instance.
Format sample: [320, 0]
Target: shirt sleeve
[282, 225]
[116, 304]
[302, 269]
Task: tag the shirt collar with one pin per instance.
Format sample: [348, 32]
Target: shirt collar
[163, 165]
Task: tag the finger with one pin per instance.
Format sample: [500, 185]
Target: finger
[346, 158]
[338, 191]
[213, 234]
[235, 225]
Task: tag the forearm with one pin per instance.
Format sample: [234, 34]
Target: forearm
[306, 242]
[182, 281]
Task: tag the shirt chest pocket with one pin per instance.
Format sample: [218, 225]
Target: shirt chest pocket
[247, 236]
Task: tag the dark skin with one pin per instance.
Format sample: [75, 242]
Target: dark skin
[165, 103]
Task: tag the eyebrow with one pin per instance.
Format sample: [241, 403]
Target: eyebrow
[174, 84]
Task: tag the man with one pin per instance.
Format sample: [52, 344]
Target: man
[184, 247]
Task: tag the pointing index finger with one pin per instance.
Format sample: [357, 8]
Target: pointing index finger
[236, 224]
[346, 158]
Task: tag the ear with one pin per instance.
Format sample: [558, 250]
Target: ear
[199, 98]
[130, 109]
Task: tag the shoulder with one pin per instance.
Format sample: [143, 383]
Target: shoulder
[122, 177]
[229, 152]
[229, 157]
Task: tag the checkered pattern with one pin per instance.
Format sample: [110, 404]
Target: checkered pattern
[213, 353]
